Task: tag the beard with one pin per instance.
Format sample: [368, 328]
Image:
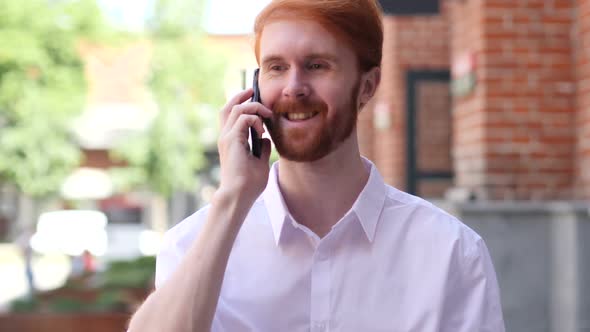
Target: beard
[311, 144]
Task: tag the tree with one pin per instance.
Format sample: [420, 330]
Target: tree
[42, 89]
[186, 83]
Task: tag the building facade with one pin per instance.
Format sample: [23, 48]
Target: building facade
[517, 123]
[484, 107]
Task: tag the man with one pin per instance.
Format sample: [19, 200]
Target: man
[318, 242]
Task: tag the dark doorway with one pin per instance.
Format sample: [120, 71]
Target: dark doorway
[429, 123]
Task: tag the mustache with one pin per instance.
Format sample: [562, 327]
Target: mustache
[299, 105]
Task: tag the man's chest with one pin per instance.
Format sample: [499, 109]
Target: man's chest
[355, 289]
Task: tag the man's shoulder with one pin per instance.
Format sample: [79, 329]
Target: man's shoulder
[176, 242]
[188, 228]
[427, 218]
[185, 231]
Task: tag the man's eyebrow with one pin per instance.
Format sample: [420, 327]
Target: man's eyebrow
[271, 58]
[312, 56]
[322, 56]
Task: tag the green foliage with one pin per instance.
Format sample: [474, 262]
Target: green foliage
[166, 157]
[174, 18]
[112, 288]
[137, 273]
[107, 301]
[25, 305]
[65, 305]
[185, 72]
[186, 83]
[42, 88]
[37, 155]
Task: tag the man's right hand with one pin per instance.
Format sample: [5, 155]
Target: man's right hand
[241, 172]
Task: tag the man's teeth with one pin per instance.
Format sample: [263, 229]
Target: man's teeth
[300, 116]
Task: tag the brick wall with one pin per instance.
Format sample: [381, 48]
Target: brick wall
[582, 43]
[514, 134]
[116, 75]
[468, 112]
[412, 42]
[366, 131]
[387, 146]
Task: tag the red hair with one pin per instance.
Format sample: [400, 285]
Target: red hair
[355, 22]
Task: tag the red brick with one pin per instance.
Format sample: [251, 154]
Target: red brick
[582, 40]
[563, 4]
[500, 4]
[563, 22]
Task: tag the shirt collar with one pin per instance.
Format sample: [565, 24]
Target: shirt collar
[370, 202]
[275, 204]
[367, 207]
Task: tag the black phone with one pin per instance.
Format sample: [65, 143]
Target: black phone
[255, 142]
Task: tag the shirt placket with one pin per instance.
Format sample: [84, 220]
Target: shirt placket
[320, 290]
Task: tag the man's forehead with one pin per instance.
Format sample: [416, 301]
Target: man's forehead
[298, 38]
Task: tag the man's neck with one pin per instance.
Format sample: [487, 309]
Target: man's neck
[319, 193]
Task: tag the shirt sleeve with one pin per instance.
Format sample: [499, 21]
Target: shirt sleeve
[175, 244]
[168, 258]
[473, 298]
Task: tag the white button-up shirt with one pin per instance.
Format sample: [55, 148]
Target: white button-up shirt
[394, 262]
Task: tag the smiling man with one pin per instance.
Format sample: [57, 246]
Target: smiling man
[318, 242]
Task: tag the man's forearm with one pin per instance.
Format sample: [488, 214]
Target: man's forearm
[188, 299]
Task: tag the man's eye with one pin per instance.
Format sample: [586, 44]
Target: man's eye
[276, 68]
[315, 66]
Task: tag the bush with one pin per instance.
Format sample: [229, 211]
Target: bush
[119, 288]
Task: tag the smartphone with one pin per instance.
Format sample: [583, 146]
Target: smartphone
[255, 142]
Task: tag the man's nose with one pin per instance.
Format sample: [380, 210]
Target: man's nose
[296, 86]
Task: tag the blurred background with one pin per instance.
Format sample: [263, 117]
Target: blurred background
[108, 125]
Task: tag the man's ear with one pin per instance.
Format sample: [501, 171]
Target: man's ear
[369, 84]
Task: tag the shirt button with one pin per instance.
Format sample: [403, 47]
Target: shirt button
[322, 255]
[319, 326]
